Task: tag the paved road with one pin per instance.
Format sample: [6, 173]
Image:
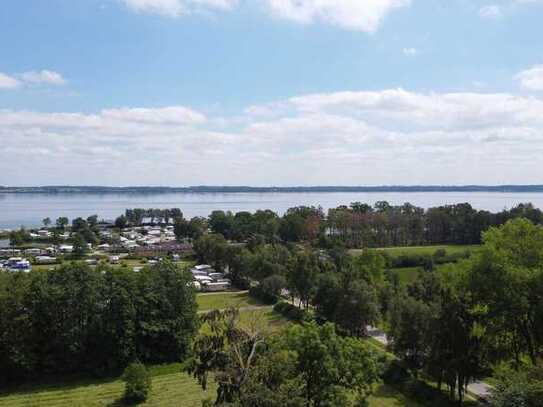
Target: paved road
[480, 389]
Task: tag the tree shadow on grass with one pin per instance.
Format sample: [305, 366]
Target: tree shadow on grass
[121, 402]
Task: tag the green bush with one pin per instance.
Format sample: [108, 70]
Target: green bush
[137, 383]
[291, 312]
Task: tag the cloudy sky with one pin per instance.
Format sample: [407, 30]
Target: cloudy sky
[271, 92]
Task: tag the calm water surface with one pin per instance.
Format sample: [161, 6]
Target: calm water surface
[30, 209]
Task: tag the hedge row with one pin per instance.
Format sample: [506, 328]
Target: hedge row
[291, 311]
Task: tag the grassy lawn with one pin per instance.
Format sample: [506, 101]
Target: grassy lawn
[272, 321]
[44, 267]
[207, 302]
[386, 396]
[408, 274]
[171, 387]
[421, 250]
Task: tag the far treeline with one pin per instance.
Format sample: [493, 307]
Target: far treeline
[358, 225]
[198, 189]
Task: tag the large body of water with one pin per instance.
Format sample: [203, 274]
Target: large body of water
[29, 209]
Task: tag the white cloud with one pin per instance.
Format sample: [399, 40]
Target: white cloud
[176, 8]
[166, 115]
[361, 137]
[410, 52]
[43, 77]
[531, 78]
[406, 111]
[350, 14]
[8, 82]
[505, 8]
[31, 78]
[528, 1]
[493, 11]
[359, 15]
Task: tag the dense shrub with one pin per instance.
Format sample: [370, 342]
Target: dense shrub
[440, 256]
[518, 388]
[291, 311]
[410, 260]
[137, 383]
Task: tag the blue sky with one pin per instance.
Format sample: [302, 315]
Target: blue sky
[271, 92]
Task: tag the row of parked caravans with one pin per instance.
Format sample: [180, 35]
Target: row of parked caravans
[16, 264]
[207, 279]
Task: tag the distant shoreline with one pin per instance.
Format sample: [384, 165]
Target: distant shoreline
[248, 189]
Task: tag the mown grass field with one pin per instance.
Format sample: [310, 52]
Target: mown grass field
[428, 250]
[210, 301]
[422, 250]
[387, 396]
[408, 275]
[269, 319]
[171, 387]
